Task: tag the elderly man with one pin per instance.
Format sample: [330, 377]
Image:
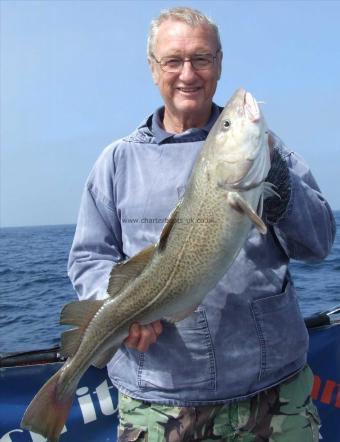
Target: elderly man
[236, 368]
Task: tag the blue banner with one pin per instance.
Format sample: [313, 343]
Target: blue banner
[94, 413]
[324, 359]
[93, 416]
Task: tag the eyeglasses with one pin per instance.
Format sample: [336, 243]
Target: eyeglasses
[199, 62]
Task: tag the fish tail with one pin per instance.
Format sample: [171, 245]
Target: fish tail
[47, 413]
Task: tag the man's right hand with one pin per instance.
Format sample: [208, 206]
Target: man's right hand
[142, 336]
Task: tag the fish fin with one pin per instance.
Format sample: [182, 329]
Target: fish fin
[70, 341]
[104, 358]
[260, 206]
[269, 190]
[240, 205]
[124, 272]
[47, 414]
[181, 315]
[80, 312]
[168, 227]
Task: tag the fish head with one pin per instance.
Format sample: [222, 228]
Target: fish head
[239, 143]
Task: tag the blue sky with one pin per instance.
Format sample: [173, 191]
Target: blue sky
[74, 77]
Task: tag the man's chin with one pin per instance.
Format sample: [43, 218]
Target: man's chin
[189, 106]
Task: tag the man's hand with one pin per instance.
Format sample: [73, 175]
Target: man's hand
[142, 336]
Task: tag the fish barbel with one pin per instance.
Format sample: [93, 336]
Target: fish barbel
[168, 280]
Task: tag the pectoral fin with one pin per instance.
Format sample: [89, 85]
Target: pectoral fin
[269, 190]
[240, 205]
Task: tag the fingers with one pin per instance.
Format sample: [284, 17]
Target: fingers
[157, 326]
[142, 336]
[147, 337]
[134, 335]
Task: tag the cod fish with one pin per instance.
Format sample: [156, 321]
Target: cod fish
[168, 280]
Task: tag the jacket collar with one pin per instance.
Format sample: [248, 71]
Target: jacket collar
[155, 125]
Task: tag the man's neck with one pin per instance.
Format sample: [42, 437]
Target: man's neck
[178, 124]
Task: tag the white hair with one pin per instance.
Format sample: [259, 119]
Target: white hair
[190, 16]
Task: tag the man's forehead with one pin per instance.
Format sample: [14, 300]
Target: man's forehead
[175, 36]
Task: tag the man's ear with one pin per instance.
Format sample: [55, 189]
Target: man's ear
[154, 70]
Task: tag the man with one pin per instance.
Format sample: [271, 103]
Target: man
[236, 368]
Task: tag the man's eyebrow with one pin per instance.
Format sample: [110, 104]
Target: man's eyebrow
[179, 53]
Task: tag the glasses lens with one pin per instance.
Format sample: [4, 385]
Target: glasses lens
[198, 62]
[202, 61]
[171, 64]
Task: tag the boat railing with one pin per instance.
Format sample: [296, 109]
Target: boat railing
[51, 355]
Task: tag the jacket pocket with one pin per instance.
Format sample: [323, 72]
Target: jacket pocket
[184, 358]
[281, 330]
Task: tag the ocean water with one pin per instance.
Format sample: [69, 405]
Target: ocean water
[34, 285]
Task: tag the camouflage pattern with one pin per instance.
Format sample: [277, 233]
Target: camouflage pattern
[284, 413]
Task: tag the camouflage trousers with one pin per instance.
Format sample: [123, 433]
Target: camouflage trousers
[284, 413]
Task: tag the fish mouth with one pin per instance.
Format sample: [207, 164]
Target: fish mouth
[251, 108]
[246, 105]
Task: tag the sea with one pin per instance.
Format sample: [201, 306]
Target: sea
[34, 285]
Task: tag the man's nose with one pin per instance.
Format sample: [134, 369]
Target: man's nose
[187, 72]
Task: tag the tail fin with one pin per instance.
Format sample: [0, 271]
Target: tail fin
[47, 414]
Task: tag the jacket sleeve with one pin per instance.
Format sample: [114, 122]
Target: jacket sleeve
[301, 219]
[97, 242]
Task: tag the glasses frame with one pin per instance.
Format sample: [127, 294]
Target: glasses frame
[187, 59]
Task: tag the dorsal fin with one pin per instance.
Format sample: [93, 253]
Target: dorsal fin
[124, 272]
[168, 227]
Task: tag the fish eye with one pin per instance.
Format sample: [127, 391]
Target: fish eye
[226, 124]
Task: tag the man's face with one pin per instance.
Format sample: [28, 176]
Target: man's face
[188, 92]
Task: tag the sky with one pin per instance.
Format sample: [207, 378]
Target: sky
[74, 77]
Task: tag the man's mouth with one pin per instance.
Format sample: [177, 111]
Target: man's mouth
[189, 90]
